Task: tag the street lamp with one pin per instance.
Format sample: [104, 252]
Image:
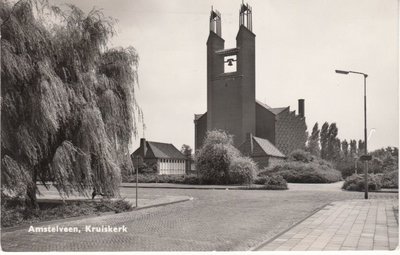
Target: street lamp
[366, 158]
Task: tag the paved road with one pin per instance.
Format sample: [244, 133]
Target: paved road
[214, 220]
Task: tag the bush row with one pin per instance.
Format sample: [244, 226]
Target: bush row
[390, 180]
[273, 182]
[14, 212]
[299, 172]
[356, 182]
[154, 178]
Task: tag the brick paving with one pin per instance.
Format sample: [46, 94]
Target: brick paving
[343, 225]
[221, 220]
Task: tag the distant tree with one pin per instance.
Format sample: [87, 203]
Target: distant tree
[361, 146]
[353, 148]
[313, 141]
[187, 151]
[332, 147]
[68, 107]
[345, 148]
[324, 138]
[337, 149]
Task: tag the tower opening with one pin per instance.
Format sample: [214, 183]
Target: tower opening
[245, 16]
[215, 22]
[230, 64]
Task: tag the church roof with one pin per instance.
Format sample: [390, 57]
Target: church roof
[259, 147]
[275, 111]
[268, 147]
[278, 110]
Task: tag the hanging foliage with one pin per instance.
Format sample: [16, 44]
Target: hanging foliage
[68, 107]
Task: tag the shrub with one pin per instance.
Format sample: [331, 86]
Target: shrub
[155, 178]
[260, 180]
[242, 170]
[191, 179]
[298, 172]
[348, 171]
[275, 182]
[390, 180]
[219, 162]
[356, 182]
[301, 155]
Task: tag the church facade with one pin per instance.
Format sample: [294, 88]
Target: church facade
[231, 94]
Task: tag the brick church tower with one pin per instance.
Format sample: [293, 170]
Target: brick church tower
[231, 79]
[231, 97]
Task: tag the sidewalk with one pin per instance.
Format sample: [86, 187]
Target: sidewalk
[343, 225]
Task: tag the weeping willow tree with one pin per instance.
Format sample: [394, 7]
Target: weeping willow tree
[68, 108]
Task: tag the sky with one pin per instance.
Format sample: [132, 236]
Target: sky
[299, 44]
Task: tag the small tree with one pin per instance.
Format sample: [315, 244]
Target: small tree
[345, 148]
[214, 158]
[324, 138]
[353, 148]
[361, 146]
[313, 141]
[187, 151]
[333, 148]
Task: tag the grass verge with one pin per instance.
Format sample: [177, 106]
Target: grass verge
[14, 212]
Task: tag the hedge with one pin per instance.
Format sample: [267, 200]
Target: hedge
[299, 172]
[356, 182]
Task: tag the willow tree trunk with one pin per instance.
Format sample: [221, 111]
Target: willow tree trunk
[30, 199]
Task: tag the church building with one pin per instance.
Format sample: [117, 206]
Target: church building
[231, 98]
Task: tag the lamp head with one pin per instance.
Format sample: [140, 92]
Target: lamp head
[342, 72]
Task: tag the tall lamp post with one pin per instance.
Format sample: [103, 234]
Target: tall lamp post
[137, 172]
[365, 157]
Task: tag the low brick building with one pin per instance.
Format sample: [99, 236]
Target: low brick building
[261, 151]
[164, 158]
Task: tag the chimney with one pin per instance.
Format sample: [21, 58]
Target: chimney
[143, 147]
[301, 108]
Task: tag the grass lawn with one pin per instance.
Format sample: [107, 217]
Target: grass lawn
[13, 212]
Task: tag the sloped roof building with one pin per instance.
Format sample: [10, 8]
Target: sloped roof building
[231, 95]
[164, 158]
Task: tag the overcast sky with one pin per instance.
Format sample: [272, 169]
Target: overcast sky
[299, 44]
